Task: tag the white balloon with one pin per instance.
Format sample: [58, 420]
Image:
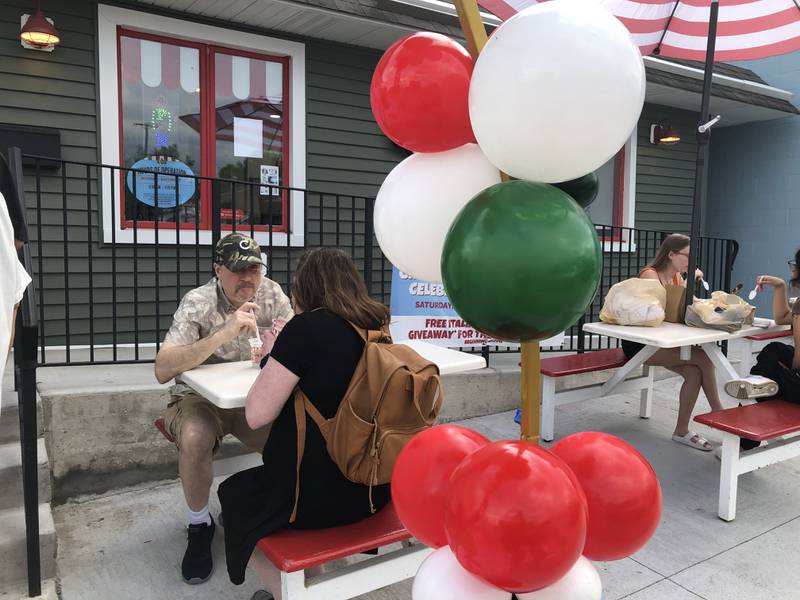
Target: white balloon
[582, 582]
[441, 577]
[556, 91]
[420, 199]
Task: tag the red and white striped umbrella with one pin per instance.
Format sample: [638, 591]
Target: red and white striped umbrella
[746, 30]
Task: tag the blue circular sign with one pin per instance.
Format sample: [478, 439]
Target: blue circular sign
[173, 190]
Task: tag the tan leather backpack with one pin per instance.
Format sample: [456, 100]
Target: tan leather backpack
[394, 393]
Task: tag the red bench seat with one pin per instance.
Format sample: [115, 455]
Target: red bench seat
[759, 422]
[772, 335]
[766, 421]
[575, 364]
[297, 549]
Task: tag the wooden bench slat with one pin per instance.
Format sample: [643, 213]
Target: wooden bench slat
[561, 366]
[757, 422]
[770, 336]
[296, 549]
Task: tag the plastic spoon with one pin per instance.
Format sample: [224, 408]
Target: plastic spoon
[705, 283]
[752, 293]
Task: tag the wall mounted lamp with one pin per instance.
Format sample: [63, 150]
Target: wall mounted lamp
[37, 32]
[663, 134]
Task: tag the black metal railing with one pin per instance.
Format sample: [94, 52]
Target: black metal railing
[110, 276]
[106, 294]
[25, 361]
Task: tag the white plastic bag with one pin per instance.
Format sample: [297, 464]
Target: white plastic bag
[722, 311]
[635, 302]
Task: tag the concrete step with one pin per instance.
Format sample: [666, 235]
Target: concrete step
[11, 475]
[20, 591]
[9, 418]
[13, 553]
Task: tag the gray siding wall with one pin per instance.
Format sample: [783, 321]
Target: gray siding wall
[665, 174]
[347, 159]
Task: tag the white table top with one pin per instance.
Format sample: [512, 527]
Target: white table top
[676, 335]
[227, 384]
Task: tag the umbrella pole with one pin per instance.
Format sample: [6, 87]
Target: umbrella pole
[530, 386]
[703, 140]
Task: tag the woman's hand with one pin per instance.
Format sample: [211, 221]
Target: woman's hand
[763, 280]
[268, 338]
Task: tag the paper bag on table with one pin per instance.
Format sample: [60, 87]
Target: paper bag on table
[675, 311]
[634, 302]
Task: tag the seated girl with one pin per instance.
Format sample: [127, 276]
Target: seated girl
[671, 260]
[317, 350]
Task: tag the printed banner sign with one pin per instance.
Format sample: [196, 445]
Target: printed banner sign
[422, 311]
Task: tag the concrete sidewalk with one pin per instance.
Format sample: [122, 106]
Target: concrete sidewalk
[128, 545]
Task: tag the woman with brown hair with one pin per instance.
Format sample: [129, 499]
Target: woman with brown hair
[667, 267]
[777, 370]
[317, 350]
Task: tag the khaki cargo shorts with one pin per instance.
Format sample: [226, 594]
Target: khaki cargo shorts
[188, 404]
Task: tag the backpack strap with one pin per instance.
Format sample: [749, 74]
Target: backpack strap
[302, 405]
[372, 335]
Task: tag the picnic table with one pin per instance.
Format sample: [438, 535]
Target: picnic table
[227, 384]
[678, 335]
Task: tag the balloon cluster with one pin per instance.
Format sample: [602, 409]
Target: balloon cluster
[554, 94]
[511, 517]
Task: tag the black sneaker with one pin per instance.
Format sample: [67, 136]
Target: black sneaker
[197, 563]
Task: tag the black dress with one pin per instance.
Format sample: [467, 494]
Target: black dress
[322, 349]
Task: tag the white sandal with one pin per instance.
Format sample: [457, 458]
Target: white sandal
[695, 440]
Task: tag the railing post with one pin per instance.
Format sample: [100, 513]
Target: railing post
[581, 339]
[25, 358]
[25, 347]
[15, 169]
[368, 207]
[216, 211]
[486, 354]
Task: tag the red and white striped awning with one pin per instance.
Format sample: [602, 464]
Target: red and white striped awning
[155, 64]
[747, 29]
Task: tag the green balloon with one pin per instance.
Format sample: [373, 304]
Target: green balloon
[521, 261]
[583, 189]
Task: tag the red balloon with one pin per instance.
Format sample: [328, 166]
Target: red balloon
[514, 516]
[420, 476]
[622, 492]
[419, 93]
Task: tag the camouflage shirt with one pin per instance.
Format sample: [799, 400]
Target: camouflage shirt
[203, 311]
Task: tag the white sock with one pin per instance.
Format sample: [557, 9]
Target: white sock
[199, 517]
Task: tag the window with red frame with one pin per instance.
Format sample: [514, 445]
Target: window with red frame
[607, 207]
[189, 109]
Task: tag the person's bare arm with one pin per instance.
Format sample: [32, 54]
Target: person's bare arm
[270, 391]
[796, 336]
[13, 326]
[649, 274]
[174, 359]
[780, 299]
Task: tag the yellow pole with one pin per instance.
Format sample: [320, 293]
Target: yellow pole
[530, 385]
[472, 26]
[530, 391]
